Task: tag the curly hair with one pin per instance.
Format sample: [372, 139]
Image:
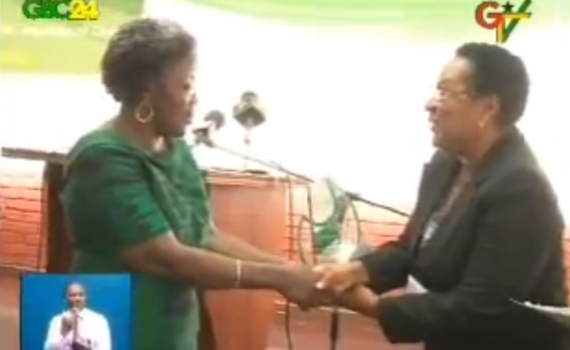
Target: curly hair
[496, 71]
[140, 51]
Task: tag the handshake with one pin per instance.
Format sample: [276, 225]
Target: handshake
[335, 284]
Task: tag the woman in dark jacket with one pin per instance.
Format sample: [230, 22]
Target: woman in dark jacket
[486, 229]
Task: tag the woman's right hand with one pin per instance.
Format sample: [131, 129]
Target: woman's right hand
[68, 321]
[298, 286]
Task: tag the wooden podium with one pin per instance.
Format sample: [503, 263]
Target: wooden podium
[253, 207]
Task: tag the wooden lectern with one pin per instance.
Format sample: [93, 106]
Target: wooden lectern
[250, 206]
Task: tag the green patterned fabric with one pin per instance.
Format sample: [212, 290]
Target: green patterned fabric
[117, 196]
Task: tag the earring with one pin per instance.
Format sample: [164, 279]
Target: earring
[140, 116]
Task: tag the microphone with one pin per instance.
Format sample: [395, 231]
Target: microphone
[214, 120]
[249, 112]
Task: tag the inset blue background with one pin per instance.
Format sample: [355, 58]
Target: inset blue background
[44, 296]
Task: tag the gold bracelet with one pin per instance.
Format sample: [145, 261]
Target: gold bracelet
[237, 281]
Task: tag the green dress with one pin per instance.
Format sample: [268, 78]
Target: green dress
[117, 196]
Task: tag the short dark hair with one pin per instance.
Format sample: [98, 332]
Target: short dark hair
[496, 71]
[69, 285]
[139, 51]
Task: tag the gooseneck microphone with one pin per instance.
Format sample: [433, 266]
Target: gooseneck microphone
[214, 120]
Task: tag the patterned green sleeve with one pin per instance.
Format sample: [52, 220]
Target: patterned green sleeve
[106, 188]
[197, 178]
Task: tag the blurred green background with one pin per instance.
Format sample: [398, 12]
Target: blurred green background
[72, 47]
[430, 17]
[24, 50]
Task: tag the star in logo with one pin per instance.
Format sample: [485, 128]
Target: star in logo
[508, 7]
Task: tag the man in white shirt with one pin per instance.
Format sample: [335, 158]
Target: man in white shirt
[78, 328]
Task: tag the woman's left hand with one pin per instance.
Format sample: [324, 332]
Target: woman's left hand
[360, 299]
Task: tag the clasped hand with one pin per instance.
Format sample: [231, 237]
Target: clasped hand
[321, 285]
[68, 322]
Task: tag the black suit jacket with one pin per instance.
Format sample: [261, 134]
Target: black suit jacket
[502, 240]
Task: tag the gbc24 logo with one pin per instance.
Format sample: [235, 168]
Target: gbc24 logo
[65, 10]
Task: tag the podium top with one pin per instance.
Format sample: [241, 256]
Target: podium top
[215, 176]
[56, 157]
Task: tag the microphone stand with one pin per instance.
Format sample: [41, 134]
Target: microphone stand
[265, 163]
[276, 166]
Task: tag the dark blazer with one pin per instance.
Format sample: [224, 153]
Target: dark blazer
[501, 240]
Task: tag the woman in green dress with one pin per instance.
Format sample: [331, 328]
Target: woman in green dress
[136, 201]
